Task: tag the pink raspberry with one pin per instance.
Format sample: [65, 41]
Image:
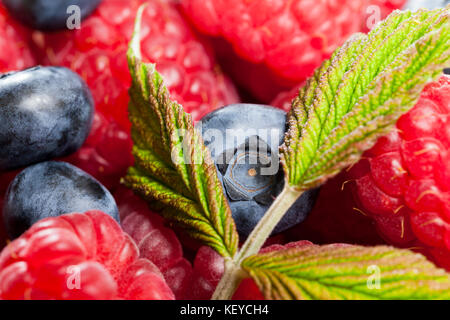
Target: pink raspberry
[155, 241]
[78, 256]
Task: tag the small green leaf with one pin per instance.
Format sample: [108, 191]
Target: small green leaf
[173, 168]
[359, 93]
[347, 272]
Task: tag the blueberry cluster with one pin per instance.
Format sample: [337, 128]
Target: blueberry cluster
[46, 113]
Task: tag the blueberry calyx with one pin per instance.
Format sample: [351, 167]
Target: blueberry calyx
[244, 177]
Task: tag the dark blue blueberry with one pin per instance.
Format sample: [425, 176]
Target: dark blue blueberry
[49, 189]
[243, 140]
[48, 15]
[45, 112]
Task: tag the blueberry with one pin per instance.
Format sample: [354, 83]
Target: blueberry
[243, 140]
[45, 112]
[49, 189]
[48, 15]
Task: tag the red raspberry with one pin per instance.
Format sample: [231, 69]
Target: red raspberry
[106, 154]
[248, 289]
[97, 52]
[15, 53]
[403, 182]
[156, 242]
[284, 99]
[336, 218]
[78, 256]
[269, 46]
[208, 270]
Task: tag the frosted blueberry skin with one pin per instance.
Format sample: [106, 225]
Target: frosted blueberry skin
[49, 189]
[45, 112]
[48, 15]
[249, 193]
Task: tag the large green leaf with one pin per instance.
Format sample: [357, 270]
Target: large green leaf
[359, 93]
[347, 272]
[173, 168]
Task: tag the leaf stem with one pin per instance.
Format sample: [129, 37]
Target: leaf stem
[271, 218]
[229, 282]
[233, 272]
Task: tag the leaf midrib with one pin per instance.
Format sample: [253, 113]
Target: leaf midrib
[327, 286]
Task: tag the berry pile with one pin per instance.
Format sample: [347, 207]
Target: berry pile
[402, 185]
[270, 46]
[159, 244]
[97, 52]
[78, 256]
[65, 144]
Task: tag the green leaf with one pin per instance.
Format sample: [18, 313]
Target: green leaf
[360, 92]
[173, 168]
[347, 272]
